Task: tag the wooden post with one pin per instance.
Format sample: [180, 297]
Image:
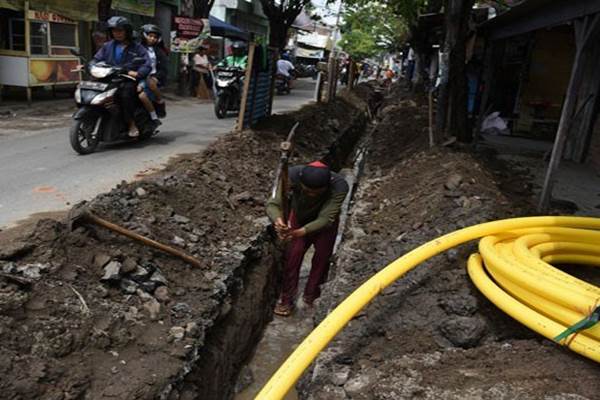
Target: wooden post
[584, 30]
[319, 87]
[351, 75]
[431, 136]
[240, 121]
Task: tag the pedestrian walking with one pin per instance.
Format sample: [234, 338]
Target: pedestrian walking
[316, 198]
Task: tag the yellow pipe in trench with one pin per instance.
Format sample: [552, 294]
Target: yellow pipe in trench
[516, 253]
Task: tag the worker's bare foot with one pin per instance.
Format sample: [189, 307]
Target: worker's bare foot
[283, 310]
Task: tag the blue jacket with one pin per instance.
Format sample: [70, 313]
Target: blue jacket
[133, 50]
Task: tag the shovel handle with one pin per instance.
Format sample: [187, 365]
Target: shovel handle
[149, 242]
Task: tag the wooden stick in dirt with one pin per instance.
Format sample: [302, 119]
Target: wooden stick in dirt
[431, 139]
[281, 174]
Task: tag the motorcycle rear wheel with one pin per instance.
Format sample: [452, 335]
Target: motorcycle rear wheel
[221, 106]
[83, 136]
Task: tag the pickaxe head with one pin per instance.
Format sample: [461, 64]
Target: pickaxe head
[77, 215]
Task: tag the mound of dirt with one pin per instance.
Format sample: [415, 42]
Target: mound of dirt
[86, 313]
[432, 335]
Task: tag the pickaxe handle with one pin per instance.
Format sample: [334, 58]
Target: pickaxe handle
[281, 174]
[147, 241]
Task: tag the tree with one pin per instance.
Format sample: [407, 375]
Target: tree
[281, 15]
[370, 29]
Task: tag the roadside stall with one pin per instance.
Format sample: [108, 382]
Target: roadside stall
[36, 43]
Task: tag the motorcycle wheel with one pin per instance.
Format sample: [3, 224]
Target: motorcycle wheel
[221, 106]
[83, 137]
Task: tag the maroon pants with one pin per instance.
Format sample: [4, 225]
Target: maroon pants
[323, 241]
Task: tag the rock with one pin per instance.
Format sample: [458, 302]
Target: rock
[9, 267]
[245, 379]
[183, 308]
[339, 378]
[180, 219]
[148, 286]
[176, 333]
[453, 182]
[140, 274]
[452, 255]
[128, 286]
[243, 197]
[153, 308]
[112, 272]
[465, 332]
[129, 265]
[141, 192]
[194, 238]
[157, 277]
[178, 241]
[15, 249]
[162, 294]
[459, 304]
[31, 271]
[357, 385]
[180, 292]
[263, 221]
[192, 330]
[101, 259]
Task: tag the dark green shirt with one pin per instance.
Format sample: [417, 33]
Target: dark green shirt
[312, 213]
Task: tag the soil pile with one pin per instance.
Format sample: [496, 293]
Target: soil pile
[432, 335]
[86, 313]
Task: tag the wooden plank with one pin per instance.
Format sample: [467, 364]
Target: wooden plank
[249, 66]
[568, 109]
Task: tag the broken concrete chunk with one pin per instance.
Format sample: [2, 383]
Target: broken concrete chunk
[31, 271]
[112, 272]
[101, 259]
[357, 385]
[178, 241]
[158, 277]
[180, 219]
[141, 192]
[148, 286]
[139, 274]
[339, 378]
[153, 308]
[453, 182]
[128, 286]
[192, 330]
[176, 333]
[15, 249]
[9, 267]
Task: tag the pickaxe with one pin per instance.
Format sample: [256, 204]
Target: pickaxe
[281, 175]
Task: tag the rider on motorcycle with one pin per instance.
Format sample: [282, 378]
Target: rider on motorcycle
[124, 52]
[150, 94]
[238, 58]
[285, 69]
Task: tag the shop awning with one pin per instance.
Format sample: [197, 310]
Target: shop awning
[221, 28]
[77, 10]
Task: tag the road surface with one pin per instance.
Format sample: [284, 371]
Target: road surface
[39, 172]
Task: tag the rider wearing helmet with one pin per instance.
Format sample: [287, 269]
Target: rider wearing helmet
[238, 57]
[124, 52]
[149, 88]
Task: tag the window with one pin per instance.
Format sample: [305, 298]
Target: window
[39, 38]
[62, 35]
[12, 30]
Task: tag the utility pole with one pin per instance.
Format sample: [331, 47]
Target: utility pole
[332, 63]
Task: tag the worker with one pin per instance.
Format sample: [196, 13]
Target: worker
[317, 195]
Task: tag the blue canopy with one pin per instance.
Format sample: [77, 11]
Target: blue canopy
[221, 28]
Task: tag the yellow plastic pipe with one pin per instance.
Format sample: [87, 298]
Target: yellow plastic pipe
[570, 229]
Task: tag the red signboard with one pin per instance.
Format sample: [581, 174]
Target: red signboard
[188, 28]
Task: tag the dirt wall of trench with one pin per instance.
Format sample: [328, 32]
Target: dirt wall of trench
[88, 314]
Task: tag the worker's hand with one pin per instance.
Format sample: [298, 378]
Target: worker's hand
[297, 233]
[132, 74]
[282, 229]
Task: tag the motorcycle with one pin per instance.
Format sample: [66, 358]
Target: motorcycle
[282, 84]
[99, 117]
[228, 87]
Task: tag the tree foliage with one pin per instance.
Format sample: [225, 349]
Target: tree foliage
[281, 15]
[371, 28]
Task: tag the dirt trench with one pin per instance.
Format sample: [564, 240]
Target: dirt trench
[432, 335]
[87, 314]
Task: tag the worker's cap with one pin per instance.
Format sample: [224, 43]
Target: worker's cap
[315, 175]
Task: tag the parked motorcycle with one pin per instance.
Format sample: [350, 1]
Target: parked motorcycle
[228, 85]
[99, 117]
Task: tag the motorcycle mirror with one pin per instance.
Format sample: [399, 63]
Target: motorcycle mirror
[75, 52]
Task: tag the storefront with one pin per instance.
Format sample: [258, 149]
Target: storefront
[36, 43]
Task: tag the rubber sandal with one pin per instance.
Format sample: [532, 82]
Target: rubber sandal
[283, 310]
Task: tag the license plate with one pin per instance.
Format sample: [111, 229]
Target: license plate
[93, 85]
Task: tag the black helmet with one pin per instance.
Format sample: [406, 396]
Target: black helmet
[150, 28]
[238, 48]
[119, 22]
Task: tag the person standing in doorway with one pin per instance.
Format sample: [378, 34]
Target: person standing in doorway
[316, 199]
[202, 68]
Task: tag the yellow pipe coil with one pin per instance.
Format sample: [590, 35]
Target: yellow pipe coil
[517, 254]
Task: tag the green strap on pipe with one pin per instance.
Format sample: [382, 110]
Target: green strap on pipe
[582, 325]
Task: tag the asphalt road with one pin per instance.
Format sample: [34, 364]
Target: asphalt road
[39, 172]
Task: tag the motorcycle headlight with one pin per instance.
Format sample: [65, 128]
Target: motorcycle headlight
[99, 72]
[78, 95]
[102, 97]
